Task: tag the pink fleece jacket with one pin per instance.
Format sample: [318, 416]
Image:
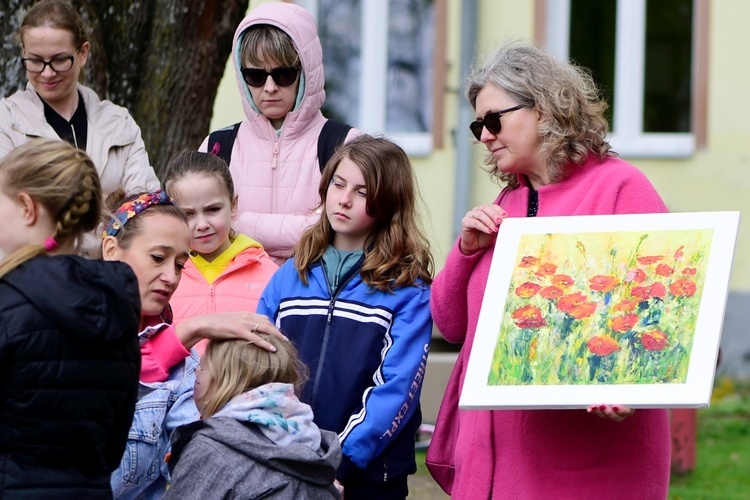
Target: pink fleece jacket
[238, 288]
[277, 175]
[529, 454]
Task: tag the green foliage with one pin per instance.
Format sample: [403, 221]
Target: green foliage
[723, 452]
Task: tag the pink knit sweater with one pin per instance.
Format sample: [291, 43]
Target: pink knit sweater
[543, 453]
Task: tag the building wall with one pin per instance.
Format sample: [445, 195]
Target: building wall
[713, 179]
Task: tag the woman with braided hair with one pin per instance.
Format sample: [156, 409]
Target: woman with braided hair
[64, 320]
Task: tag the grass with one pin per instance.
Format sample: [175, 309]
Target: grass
[723, 451]
[722, 457]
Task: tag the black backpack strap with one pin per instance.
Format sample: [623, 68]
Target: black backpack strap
[331, 137]
[220, 142]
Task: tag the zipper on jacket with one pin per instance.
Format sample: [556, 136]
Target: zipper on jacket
[212, 298]
[276, 154]
[326, 334]
[75, 138]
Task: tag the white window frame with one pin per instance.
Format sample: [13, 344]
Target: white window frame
[373, 79]
[627, 136]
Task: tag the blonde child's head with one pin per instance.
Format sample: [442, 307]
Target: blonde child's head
[396, 250]
[56, 191]
[230, 367]
[202, 186]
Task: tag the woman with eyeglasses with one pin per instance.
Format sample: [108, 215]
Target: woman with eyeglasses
[278, 59]
[54, 51]
[542, 123]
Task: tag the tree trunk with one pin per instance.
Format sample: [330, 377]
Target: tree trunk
[161, 59]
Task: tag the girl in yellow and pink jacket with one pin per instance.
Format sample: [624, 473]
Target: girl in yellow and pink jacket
[227, 272]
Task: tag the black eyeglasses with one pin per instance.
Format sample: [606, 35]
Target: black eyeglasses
[491, 121]
[58, 64]
[283, 77]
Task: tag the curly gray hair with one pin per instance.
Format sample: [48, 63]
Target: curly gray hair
[572, 124]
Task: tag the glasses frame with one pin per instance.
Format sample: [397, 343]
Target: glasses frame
[491, 122]
[279, 76]
[51, 63]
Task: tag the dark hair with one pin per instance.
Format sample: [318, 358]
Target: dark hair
[194, 162]
[133, 227]
[396, 252]
[56, 14]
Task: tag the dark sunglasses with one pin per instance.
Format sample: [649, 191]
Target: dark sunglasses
[283, 77]
[491, 121]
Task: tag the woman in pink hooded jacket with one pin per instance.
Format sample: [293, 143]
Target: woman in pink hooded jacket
[278, 60]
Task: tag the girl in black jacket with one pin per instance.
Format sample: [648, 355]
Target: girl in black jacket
[69, 354]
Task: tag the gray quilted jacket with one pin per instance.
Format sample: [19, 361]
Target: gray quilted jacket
[224, 458]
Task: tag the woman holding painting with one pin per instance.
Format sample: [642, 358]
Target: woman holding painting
[542, 123]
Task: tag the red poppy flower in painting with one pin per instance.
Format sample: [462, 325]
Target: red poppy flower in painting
[683, 288]
[657, 289]
[528, 317]
[583, 311]
[654, 340]
[624, 323]
[689, 271]
[576, 305]
[625, 305]
[636, 275]
[602, 345]
[568, 302]
[679, 253]
[600, 283]
[648, 291]
[562, 280]
[651, 259]
[551, 292]
[546, 269]
[528, 261]
[664, 270]
[527, 290]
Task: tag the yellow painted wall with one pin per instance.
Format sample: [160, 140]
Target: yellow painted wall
[716, 178]
[713, 179]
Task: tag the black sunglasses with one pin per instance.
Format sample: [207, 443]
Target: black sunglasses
[491, 121]
[283, 77]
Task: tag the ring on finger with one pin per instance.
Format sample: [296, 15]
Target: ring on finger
[255, 328]
[474, 214]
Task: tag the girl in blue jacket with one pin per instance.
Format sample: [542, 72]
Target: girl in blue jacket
[355, 301]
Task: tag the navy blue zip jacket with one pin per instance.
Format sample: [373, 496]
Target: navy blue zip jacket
[367, 353]
[69, 364]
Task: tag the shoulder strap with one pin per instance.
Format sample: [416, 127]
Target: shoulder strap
[331, 137]
[220, 142]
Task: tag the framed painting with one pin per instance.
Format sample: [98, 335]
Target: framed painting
[615, 309]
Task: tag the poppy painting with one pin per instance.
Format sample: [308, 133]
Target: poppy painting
[624, 309]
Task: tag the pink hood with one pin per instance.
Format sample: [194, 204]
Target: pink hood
[300, 26]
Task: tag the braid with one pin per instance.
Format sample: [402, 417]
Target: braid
[76, 217]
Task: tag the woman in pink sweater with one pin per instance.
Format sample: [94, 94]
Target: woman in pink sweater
[542, 123]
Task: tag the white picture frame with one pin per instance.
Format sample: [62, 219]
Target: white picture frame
[607, 309]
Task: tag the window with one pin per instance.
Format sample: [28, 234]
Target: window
[380, 66]
[644, 56]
